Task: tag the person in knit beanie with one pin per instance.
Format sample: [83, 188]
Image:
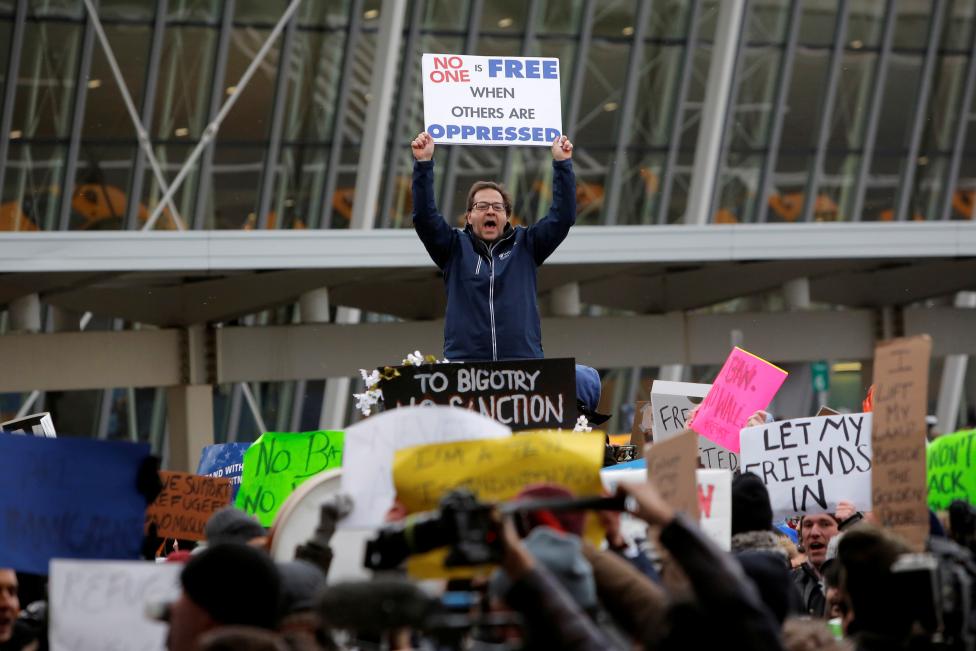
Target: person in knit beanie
[752, 517]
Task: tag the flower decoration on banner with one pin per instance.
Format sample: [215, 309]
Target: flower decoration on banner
[374, 394]
[416, 359]
[582, 425]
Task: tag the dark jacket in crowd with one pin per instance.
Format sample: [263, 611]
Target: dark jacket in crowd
[735, 612]
[553, 620]
[808, 582]
[491, 288]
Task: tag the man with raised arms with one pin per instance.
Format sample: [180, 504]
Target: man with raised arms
[490, 266]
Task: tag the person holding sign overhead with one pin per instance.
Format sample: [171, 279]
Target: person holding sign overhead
[490, 266]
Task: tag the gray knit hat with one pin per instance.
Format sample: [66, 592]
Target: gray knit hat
[231, 525]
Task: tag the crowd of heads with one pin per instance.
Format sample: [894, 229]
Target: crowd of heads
[832, 583]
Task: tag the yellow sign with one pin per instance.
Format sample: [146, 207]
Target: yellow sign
[495, 470]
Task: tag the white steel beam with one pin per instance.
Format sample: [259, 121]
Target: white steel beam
[393, 248]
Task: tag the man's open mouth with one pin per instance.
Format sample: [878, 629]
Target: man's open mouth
[817, 546]
[490, 223]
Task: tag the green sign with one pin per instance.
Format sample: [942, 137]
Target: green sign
[278, 462]
[820, 372]
[951, 465]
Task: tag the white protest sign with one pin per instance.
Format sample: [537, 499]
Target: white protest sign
[715, 505]
[810, 464]
[367, 460]
[714, 502]
[475, 100]
[101, 605]
[631, 527]
[672, 403]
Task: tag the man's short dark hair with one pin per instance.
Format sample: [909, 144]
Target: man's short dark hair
[866, 555]
[488, 185]
[234, 584]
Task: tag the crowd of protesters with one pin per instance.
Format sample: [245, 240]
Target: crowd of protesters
[839, 588]
[839, 582]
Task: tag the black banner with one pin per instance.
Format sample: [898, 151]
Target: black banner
[521, 394]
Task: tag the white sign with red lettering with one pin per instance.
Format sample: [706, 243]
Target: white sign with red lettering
[476, 100]
[715, 505]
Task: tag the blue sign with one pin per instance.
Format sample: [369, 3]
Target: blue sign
[224, 460]
[68, 498]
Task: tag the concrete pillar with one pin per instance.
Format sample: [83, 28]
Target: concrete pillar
[565, 300]
[335, 402]
[314, 306]
[189, 409]
[953, 379]
[796, 294]
[25, 313]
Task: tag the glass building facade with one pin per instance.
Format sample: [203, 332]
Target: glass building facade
[839, 110]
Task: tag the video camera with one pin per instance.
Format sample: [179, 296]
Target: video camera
[469, 529]
[941, 587]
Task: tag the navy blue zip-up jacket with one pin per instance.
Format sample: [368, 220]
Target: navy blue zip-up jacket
[491, 288]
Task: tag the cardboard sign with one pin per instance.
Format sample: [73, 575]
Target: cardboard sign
[278, 462]
[827, 411]
[475, 100]
[671, 467]
[494, 470]
[523, 395]
[371, 444]
[673, 403]
[951, 469]
[98, 605]
[811, 464]
[186, 503]
[68, 498]
[224, 460]
[898, 490]
[34, 425]
[715, 505]
[642, 429]
[745, 385]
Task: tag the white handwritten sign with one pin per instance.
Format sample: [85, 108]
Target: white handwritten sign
[101, 605]
[370, 445]
[672, 403]
[474, 100]
[715, 504]
[810, 464]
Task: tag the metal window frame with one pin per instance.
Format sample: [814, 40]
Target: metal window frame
[717, 102]
[403, 106]
[271, 159]
[528, 36]
[153, 66]
[874, 111]
[779, 111]
[322, 215]
[77, 122]
[628, 103]
[723, 150]
[826, 110]
[962, 125]
[454, 154]
[579, 65]
[907, 183]
[678, 111]
[10, 84]
[205, 172]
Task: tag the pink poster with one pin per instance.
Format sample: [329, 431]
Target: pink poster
[745, 385]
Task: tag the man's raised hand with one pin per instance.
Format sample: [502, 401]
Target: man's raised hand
[423, 146]
[562, 148]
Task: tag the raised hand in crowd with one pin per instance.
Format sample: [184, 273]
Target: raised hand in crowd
[562, 148]
[423, 146]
